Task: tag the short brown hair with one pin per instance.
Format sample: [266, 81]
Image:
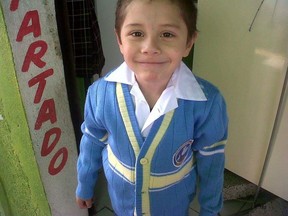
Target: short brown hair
[187, 7]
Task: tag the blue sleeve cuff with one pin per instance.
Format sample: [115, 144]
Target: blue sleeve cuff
[84, 192]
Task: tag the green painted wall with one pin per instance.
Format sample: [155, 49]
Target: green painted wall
[21, 189]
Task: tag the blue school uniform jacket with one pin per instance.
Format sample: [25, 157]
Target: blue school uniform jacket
[156, 175]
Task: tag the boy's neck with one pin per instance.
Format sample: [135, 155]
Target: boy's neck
[152, 91]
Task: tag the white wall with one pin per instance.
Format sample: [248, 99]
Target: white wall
[275, 178]
[249, 68]
[106, 16]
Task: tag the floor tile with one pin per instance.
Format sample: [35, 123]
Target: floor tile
[193, 213]
[237, 187]
[105, 212]
[276, 207]
[195, 205]
[231, 207]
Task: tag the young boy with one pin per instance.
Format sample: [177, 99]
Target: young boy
[155, 127]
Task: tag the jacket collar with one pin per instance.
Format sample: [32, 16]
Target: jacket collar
[184, 82]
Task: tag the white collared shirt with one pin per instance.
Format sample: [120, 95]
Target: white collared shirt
[182, 85]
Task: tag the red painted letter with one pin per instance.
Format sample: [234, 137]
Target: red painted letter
[41, 79]
[33, 18]
[55, 170]
[33, 56]
[46, 112]
[14, 5]
[47, 147]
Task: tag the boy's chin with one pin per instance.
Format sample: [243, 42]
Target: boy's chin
[151, 76]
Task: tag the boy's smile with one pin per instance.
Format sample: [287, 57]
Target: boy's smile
[153, 40]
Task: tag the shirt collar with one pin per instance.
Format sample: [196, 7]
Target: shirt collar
[122, 74]
[184, 82]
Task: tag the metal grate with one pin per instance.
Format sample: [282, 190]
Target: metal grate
[86, 39]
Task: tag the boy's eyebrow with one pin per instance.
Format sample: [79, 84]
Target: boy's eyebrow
[133, 25]
[171, 26]
[163, 25]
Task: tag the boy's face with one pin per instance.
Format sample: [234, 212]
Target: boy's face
[153, 39]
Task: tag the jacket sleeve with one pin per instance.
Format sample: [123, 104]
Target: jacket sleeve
[91, 146]
[209, 147]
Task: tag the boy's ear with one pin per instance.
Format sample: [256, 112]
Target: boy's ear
[190, 43]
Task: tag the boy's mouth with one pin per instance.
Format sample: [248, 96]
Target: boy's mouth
[151, 62]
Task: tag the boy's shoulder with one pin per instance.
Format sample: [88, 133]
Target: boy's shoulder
[209, 89]
[102, 87]
[101, 81]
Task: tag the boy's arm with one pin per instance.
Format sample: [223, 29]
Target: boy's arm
[88, 164]
[91, 147]
[210, 170]
[210, 159]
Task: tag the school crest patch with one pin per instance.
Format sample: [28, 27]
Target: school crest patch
[182, 153]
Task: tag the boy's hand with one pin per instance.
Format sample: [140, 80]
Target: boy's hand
[84, 203]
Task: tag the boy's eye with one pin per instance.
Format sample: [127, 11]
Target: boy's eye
[167, 35]
[137, 34]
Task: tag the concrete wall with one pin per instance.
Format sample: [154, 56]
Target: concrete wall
[36, 128]
[21, 189]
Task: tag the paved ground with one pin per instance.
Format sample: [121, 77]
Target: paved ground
[238, 193]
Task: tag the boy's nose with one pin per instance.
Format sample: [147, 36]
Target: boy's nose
[151, 46]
